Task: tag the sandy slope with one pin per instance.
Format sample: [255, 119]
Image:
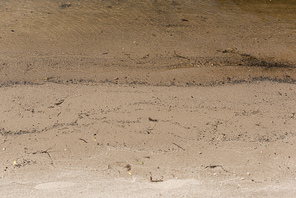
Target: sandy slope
[110, 140]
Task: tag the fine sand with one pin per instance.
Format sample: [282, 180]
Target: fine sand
[147, 98]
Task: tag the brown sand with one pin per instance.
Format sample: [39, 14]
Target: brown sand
[147, 99]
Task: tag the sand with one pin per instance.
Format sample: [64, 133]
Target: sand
[147, 99]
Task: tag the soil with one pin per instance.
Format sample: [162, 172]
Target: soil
[147, 98]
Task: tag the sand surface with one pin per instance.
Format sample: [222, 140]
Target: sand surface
[147, 98]
[112, 140]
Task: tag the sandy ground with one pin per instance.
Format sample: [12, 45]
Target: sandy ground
[147, 98]
[196, 141]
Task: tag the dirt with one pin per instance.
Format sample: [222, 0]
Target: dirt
[147, 98]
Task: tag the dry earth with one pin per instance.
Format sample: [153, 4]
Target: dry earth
[147, 98]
